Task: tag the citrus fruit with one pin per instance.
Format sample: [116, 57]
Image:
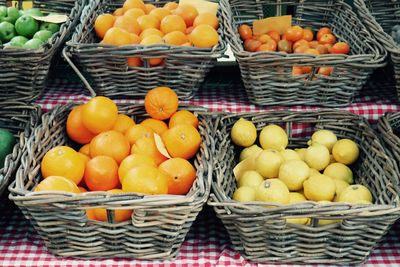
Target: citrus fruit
[149, 8]
[313, 171]
[85, 149]
[76, 130]
[128, 23]
[206, 18]
[295, 197]
[101, 173]
[356, 194]
[103, 23]
[301, 152]
[187, 12]
[146, 180]
[99, 114]
[172, 23]
[293, 173]
[129, 4]
[110, 143]
[171, 6]
[244, 133]
[117, 36]
[57, 183]
[123, 123]
[274, 137]
[317, 157]
[119, 215]
[175, 38]
[268, 163]
[180, 174]
[158, 126]
[160, 13]
[182, 141]
[250, 178]
[132, 161]
[319, 187]
[134, 13]
[149, 32]
[324, 137]
[289, 154]
[183, 117]
[204, 36]
[339, 171]
[138, 131]
[250, 151]
[147, 146]
[345, 151]
[340, 187]
[7, 142]
[244, 194]
[273, 190]
[148, 22]
[85, 158]
[118, 12]
[161, 103]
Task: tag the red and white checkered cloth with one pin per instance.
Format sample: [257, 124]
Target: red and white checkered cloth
[207, 244]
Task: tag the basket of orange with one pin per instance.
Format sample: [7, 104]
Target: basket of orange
[125, 48]
[101, 180]
[31, 35]
[300, 52]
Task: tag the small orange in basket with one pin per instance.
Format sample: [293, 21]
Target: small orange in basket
[149, 8]
[161, 102]
[127, 23]
[297, 71]
[264, 38]
[183, 117]
[118, 12]
[75, 128]
[147, 146]
[101, 173]
[327, 38]
[118, 36]
[129, 4]
[153, 40]
[187, 12]
[63, 161]
[172, 23]
[103, 23]
[299, 43]
[175, 38]
[171, 6]
[110, 143]
[308, 35]
[294, 33]
[245, 32]
[269, 46]
[204, 36]
[57, 183]
[132, 161]
[182, 141]
[251, 45]
[327, 71]
[180, 173]
[149, 32]
[148, 22]
[85, 149]
[134, 13]
[123, 123]
[91, 214]
[134, 62]
[189, 30]
[322, 31]
[275, 36]
[138, 131]
[340, 48]
[159, 127]
[208, 19]
[99, 114]
[85, 158]
[160, 13]
[119, 215]
[145, 180]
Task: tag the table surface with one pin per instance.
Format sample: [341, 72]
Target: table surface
[207, 243]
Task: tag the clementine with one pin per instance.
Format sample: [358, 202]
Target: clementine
[75, 128]
[182, 140]
[57, 183]
[110, 143]
[145, 180]
[101, 173]
[161, 102]
[180, 173]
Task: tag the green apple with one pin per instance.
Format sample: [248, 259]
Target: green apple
[18, 41]
[26, 26]
[7, 31]
[12, 15]
[33, 44]
[43, 35]
[53, 27]
[3, 12]
[33, 12]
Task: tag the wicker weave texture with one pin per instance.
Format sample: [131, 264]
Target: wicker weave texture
[380, 17]
[105, 67]
[159, 223]
[18, 118]
[23, 72]
[268, 76]
[261, 234]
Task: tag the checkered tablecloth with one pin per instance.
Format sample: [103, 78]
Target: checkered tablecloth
[207, 244]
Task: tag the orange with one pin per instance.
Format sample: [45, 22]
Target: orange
[204, 36]
[118, 36]
[85, 150]
[138, 131]
[127, 23]
[123, 123]
[175, 38]
[322, 31]
[82, 189]
[57, 183]
[119, 215]
[206, 18]
[75, 128]
[103, 23]
[110, 143]
[101, 173]
[183, 117]
[245, 32]
[148, 22]
[159, 127]
[85, 158]
[129, 4]
[134, 13]
[147, 146]
[161, 102]
[132, 161]
[118, 12]
[149, 8]
[149, 32]
[182, 140]
[151, 40]
[189, 30]
[187, 12]
[160, 13]
[99, 114]
[172, 23]
[90, 214]
[63, 161]
[308, 35]
[187, 44]
[275, 36]
[171, 6]
[134, 62]
[145, 180]
[264, 38]
[180, 173]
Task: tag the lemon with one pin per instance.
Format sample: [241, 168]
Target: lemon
[274, 137]
[247, 164]
[250, 151]
[323, 137]
[345, 151]
[295, 197]
[301, 152]
[319, 187]
[339, 171]
[244, 194]
[340, 187]
[268, 163]
[313, 171]
[293, 173]
[356, 194]
[273, 190]
[289, 154]
[250, 179]
[244, 133]
[317, 157]
[325, 222]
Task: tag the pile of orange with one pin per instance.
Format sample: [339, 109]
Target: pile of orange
[295, 40]
[145, 24]
[119, 155]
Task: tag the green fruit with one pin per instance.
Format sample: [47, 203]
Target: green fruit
[7, 142]
[33, 44]
[33, 12]
[26, 26]
[7, 31]
[18, 41]
[12, 15]
[53, 27]
[43, 35]
[3, 12]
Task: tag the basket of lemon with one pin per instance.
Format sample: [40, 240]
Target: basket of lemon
[303, 187]
[30, 36]
[125, 48]
[16, 120]
[101, 180]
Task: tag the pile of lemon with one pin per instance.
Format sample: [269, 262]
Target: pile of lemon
[270, 172]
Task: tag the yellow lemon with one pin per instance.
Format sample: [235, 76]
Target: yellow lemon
[356, 194]
[244, 133]
[268, 163]
[323, 137]
[340, 187]
[339, 171]
[272, 190]
[301, 152]
[250, 179]
[244, 194]
[345, 151]
[250, 151]
[274, 137]
[289, 154]
[293, 173]
[295, 197]
[325, 222]
[313, 171]
[317, 157]
[319, 187]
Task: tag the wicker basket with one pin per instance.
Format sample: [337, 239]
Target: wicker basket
[18, 118]
[23, 72]
[159, 224]
[261, 234]
[388, 129]
[268, 77]
[380, 17]
[105, 66]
